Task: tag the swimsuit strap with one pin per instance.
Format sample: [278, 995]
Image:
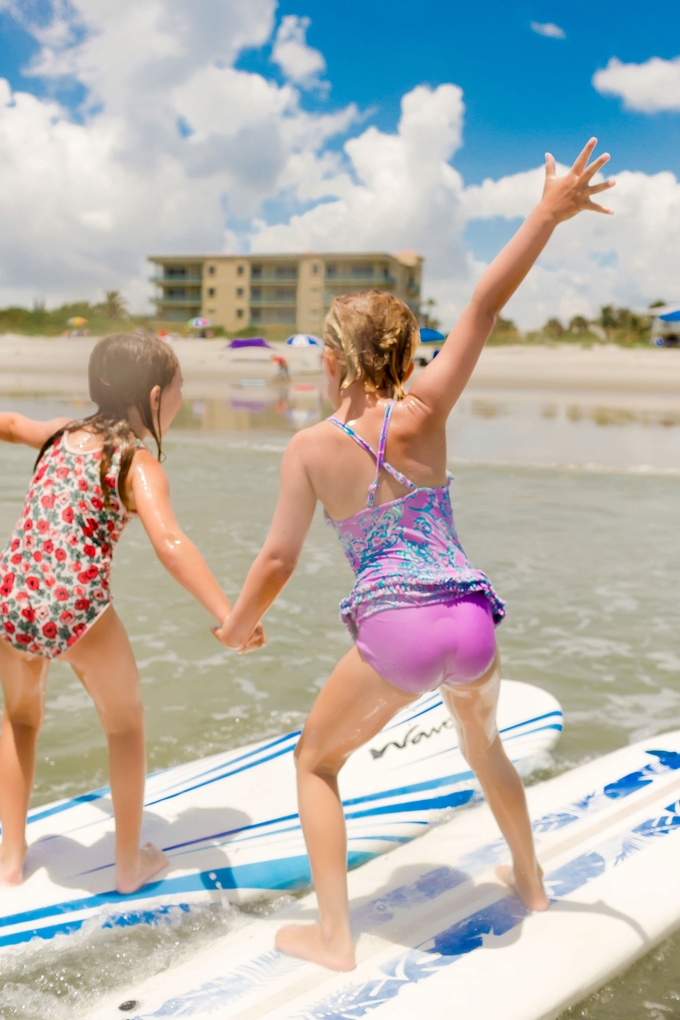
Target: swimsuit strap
[379, 458]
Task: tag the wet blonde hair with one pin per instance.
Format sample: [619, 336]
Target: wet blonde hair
[374, 337]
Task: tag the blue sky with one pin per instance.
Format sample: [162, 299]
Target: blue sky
[522, 92]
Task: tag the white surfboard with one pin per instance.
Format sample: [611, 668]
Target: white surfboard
[229, 823]
[439, 936]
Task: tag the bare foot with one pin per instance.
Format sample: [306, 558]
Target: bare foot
[529, 888]
[150, 862]
[307, 942]
[12, 864]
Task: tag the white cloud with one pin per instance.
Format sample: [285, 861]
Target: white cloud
[298, 61]
[548, 29]
[649, 87]
[84, 199]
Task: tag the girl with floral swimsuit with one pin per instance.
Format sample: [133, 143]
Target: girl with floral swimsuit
[91, 477]
[422, 617]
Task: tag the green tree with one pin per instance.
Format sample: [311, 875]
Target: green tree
[427, 319]
[554, 328]
[114, 305]
[578, 324]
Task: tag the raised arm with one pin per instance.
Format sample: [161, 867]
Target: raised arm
[445, 378]
[278, 557]
[150, 491]
[16, 428]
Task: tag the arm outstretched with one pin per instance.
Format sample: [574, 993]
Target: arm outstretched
[16, 428]
[445, 378]
[278, 557]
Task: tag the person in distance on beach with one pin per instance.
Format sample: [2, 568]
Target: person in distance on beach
[421, 616]
[91, 476]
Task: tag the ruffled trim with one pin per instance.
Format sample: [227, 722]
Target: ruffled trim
[393, 593]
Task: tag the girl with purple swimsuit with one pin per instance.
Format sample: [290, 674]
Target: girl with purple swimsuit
[421, 616]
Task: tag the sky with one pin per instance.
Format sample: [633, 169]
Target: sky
[137, 127]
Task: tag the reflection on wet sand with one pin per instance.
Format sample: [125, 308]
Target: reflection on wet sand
[249, 404]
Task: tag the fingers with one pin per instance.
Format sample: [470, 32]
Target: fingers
[581, 160]
[594, 189]
[550, 167]
[594, 207]
[590, 171]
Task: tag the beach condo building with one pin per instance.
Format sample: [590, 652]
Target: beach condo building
[286, 292]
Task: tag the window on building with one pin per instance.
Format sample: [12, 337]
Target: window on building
[239, 313]
[211, 292]
[315, 268]
[255, 271]
[331, 269]
[362, 272]
[239, 292]
[255, 314]
[175, 271]
[211, 270]
[286, 272]
[239, 270]
[256, 292]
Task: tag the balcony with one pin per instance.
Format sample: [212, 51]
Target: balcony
[342, 279]
[271, 278]
[190, 301]
[171, 281]
[267, 299]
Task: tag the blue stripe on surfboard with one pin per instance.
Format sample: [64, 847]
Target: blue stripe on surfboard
[290, 874]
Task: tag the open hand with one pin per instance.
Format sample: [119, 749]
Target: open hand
[566, 196]
[228, 636]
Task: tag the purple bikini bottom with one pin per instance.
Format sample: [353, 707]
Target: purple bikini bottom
[420, 648]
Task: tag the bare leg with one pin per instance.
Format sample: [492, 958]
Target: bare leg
[104, 663]
[473, 707]
[352, 707]
[23, 683]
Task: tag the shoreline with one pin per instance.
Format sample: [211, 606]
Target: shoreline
[39, 365]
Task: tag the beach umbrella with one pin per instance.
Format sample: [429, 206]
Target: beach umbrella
[673, 316]
[76, 320]
[304, 340]
[251, 341]
[199, 323]
[431, 336]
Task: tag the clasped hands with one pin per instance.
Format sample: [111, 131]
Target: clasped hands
[231, 635]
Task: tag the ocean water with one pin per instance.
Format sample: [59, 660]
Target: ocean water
[569, 503]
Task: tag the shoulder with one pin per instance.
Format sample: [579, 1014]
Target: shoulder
[145, 466]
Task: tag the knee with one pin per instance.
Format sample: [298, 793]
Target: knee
[124, 720]
[310, 758]
[479, 748]
[25, 712]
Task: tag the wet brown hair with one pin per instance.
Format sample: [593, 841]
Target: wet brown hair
[374, 337]
[123, 369]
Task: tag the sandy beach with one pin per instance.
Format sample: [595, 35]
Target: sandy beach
[59, 366]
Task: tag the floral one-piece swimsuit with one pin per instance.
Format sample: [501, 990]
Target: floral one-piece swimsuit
[55, 569]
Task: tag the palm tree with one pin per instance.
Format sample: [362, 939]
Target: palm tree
[114, 306]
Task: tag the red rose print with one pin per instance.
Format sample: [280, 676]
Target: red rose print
[75, 566]
[84, 576]
[48, 547]
[33, 582]
[97, 503]
[72, 540]
[17, 558]
[23, 639]
[82, 506]
[62, 472]
[79, 629]
[37, 556]
[7, 584]
[98, 595]
[28, 524]
[28, 614]
[110, 526]
[22, 596]
[82, 605]
[60, 554]
[47, 501]
[50, 582]
[15, 544]
[68, 515]
[29, 543]
[43, 526]
[82, 485]
[106, 548]
[67, 617]
[9, 627]
[61, 593]
[49, 629]
[89, 550]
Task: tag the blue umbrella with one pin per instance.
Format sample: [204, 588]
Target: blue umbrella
[673, 316]
[431, 336]
[304, 340]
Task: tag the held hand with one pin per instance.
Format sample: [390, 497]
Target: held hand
[229, 636]
[566, 196]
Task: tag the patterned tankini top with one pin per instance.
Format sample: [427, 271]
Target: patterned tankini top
[405, 552]
[54, 571]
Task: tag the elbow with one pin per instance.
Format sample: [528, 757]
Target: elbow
[169, 552]
[280, 568]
